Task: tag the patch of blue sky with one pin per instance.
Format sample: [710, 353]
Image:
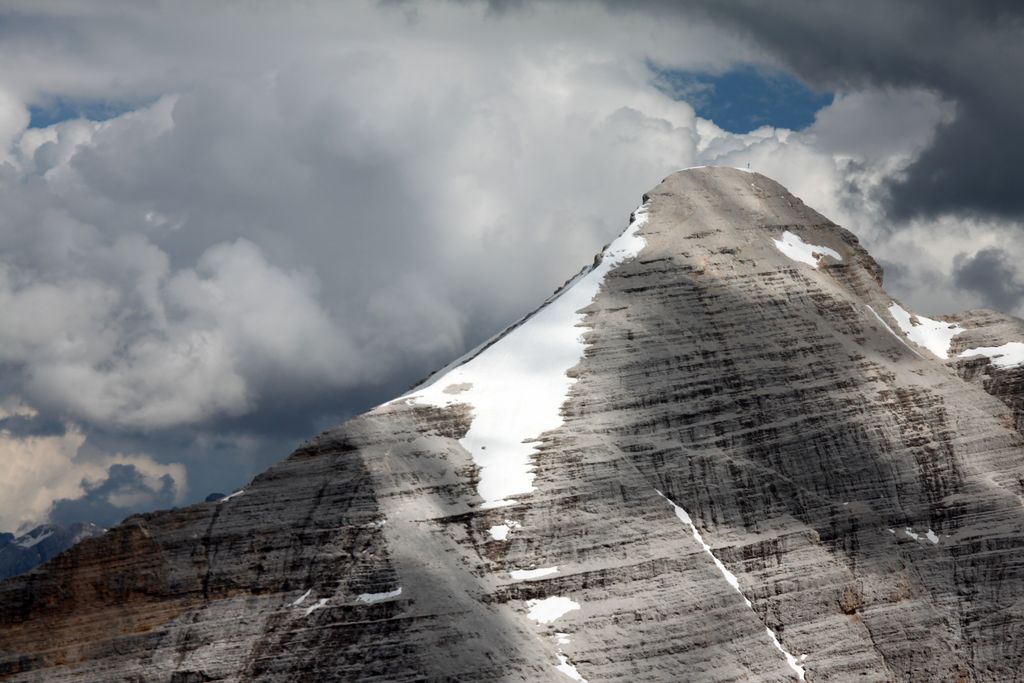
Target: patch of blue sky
[745, 98]
[59, 110]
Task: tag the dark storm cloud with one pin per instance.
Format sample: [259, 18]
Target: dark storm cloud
[105, 503]
[26, 426]
[991, 274]
[971, 53]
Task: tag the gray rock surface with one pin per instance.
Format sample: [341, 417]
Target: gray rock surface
[865, 495]
[991, 329]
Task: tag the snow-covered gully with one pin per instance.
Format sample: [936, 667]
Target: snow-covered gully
[730, 578]
[516, 386]
[891, 331]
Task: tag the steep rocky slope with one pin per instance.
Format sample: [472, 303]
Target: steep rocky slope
[722, 453]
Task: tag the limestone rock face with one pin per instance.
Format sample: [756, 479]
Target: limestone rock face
[758, 467]
[995, 372]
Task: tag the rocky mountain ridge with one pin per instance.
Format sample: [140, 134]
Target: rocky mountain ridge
[19, 554]
[722, 453]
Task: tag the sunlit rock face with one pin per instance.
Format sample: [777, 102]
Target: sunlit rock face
[720, 453]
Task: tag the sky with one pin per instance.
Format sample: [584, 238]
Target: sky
[228, 226]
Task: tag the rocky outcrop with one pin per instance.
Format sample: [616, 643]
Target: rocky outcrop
[758, 468]
[1005, 381]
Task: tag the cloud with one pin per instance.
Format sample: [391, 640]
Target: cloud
[923, 257]
[14, 118]
[204, 342]
[44, 467]
[992, 274]
[970, 54]
[105, 502]
[296, 223]
[301, 212]
[285, 232]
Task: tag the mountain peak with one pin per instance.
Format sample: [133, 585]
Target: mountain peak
[722, 449]
[725, 208]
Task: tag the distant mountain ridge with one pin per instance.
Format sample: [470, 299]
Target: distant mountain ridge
[41, 544]
[721, 453]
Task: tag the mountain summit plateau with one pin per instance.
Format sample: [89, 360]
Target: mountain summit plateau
[720, 453]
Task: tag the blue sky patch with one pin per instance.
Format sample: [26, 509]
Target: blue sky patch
[745, 98]
[58, 110]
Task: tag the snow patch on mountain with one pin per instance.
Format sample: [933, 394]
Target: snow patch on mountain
[528, 574]
[548, 610]
[568, 669]
[35, 537]
[516, 386]
[1008, 355]
[792, 661]
[934, 335]
[929, 535]
[370, 598]
[793, 246]
[315, 606]
[499, 532]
